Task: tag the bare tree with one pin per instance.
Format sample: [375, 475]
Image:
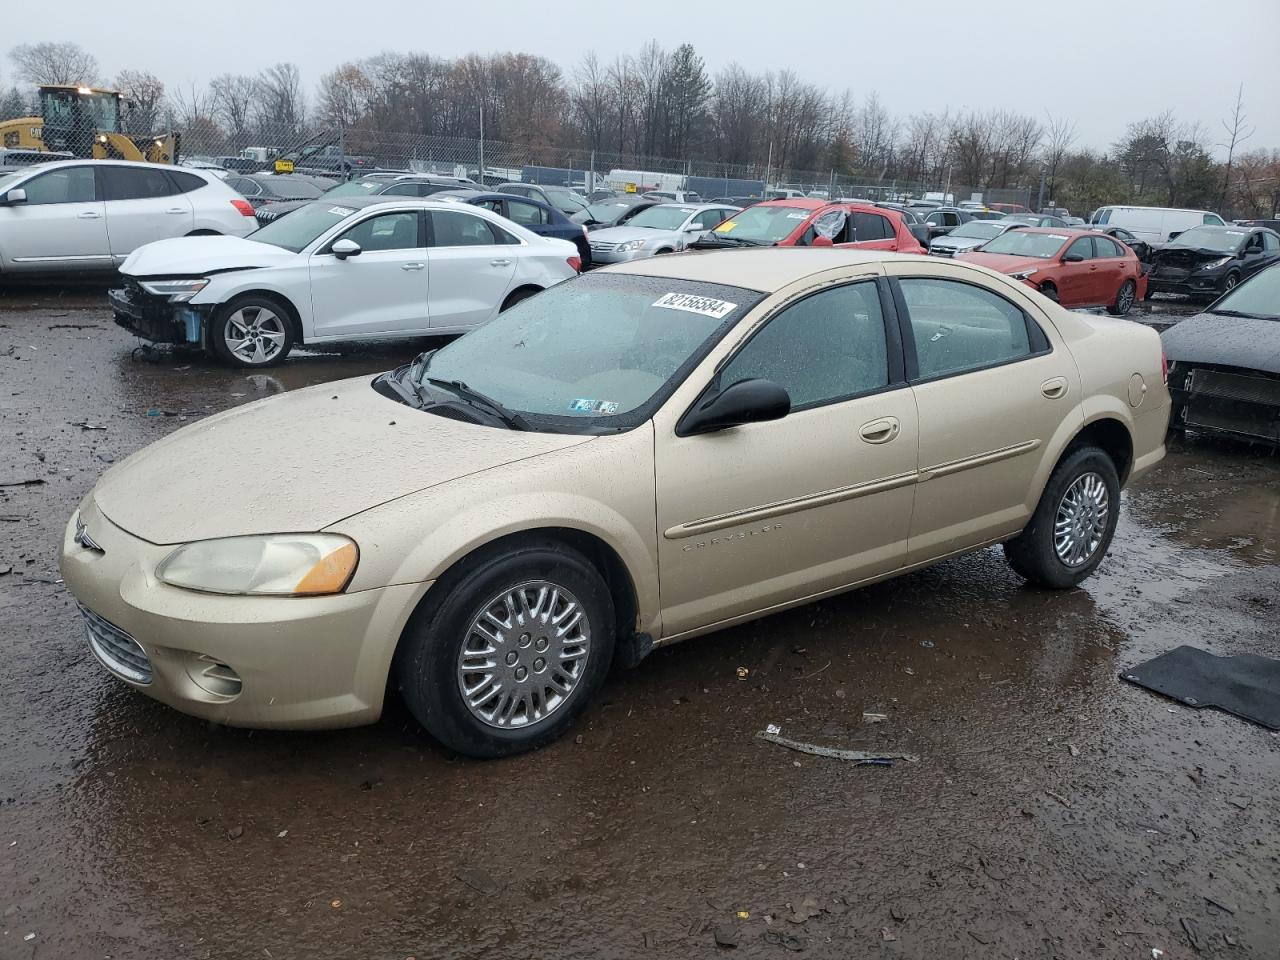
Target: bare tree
[1238, 131]
[231, 101]
[144, 100]
[280, 106]
[54, 63]
[192, 114]
[1059, 137]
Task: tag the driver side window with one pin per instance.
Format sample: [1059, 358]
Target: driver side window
[388, 231]
[1082, 248]
[828, 347]
[65, 185]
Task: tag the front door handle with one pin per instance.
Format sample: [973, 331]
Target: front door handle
[89, 215]
[175, 210]
[499, 263]
[880, 431]
[412, 266]
[1054, 388]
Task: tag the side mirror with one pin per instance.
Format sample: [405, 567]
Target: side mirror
[1073, 258]
[16, 195]
[345, 248]
[821, 241]
[747, 401]
[1174, 234]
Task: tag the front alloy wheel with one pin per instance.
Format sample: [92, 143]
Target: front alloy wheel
[523, 655]
[253, 332]
[1124, 299]
[1081, 522]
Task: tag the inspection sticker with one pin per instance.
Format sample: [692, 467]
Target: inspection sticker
[706, 306]
[1058, 236]
[798, 215]
[726, 226]
[593, 406]
[342, 211]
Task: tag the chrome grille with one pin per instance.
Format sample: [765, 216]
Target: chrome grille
[118, 651]
[943, 251]
[603, 246]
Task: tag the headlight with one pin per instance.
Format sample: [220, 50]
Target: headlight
[178, 291]
[1215, 264]
[1023, 274]
[280, 565]
[630, 245]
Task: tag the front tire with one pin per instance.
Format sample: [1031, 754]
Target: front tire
[1073, 523]
[1230, 282]
[1124, 299]
[1050, 291]
[252, 332]
[504, 655]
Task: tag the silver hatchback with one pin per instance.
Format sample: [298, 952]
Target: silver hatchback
[665, 228]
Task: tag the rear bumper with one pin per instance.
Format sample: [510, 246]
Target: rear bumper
[156, 319]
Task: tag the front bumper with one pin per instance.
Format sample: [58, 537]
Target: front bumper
[1231, 402]
[602, 254]
[1192, 284]
[155, 318]
[315, 662]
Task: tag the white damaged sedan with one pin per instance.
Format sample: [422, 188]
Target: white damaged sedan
[363, 268]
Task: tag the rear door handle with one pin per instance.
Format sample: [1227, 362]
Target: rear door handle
[175, 210]
[880, 431]
[89, 215]
[412, 266]
[1054, 388]
[499, 263]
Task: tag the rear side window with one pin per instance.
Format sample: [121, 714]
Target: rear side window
[63, 185]
[957, 327]
[186, 182]
[828, 347]
[1213, 219]
[870, 226]
[526, 214]
[1270, 241]
[136, 183]
[453, 228]
[1106, 247]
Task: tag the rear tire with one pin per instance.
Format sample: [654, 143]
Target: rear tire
[1050, 291]
[1124, 299]
[516, 297]
[252, 332]
[1073, 523]
[470, 653]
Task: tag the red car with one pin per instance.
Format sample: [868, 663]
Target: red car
[1077, 268]
[791, 223]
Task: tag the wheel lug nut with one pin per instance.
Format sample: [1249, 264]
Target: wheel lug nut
[512, 657]
[521, 673]
[541, 644]
[524, 640]
[539, 665]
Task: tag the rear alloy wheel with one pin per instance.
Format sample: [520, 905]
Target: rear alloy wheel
[252, 332]
[1073, 523]
[1124, 299]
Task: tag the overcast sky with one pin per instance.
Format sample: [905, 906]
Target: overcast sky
[1103, 63]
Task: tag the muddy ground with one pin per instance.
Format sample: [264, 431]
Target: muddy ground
[1054, 811]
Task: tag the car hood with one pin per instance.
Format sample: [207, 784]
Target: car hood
[300, 462]
[958, 243]
[1229, 341]
[1188, 257]
[625, 233]
[194, 256]
[274, 209]
[1006, 263]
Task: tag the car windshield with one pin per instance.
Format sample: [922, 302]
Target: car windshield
[563, 198]
[1260, 297]
[1213, 239]
[978, 230]
[1023, 243]
[297, 230]
[356, 188]
[662, 217]
[761, 224]
[593, 354]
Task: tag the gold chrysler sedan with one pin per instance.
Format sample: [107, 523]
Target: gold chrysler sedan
[638, 456]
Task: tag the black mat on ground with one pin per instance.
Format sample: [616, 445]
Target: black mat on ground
[1246, 685]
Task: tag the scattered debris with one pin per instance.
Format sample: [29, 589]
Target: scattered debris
[743, 673]
[1073, 750]
[816, 672]
[235, 833]
[887, 934]
[336, 904]
[86, 425]
[5, 570]
[874, 717]
[1220, 904]
[1240, 803]
[1192, 932]
[282, 834]
[1059, 797]
[835, 753]
[927, 644]
[12, 518]
[804, 911]
[29, 937]
[478, 880]
[21, 483]
[785, 940]
[902, 912]
[727, 935]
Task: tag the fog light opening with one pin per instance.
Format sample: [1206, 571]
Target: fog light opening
[215, 677]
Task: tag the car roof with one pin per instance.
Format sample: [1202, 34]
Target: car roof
[1071, 233]
[766, 269]
[807, 203]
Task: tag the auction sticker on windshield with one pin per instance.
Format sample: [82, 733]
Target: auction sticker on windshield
[705, 306]
[342, 211]
[593, 406]
[726, 226]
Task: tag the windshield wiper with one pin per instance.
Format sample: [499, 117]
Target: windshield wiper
[1241, 313]
[478, 399]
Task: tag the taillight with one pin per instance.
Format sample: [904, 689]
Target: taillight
[1164, 366]
[576, 263]
[244, 206]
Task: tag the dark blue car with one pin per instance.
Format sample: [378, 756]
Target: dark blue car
[544, 220]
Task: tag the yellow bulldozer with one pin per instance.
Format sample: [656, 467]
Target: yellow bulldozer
[84, 122]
